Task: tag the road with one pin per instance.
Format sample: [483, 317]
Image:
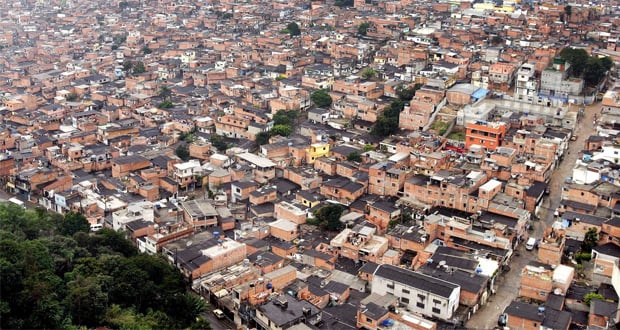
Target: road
[507, 284]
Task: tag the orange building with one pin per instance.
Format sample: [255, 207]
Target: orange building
[488, 135]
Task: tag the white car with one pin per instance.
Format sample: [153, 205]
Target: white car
[219, 314]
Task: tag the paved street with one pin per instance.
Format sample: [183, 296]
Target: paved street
[507, 285]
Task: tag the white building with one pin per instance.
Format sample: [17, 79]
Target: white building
[135, 211]
[421, 293]
[526, 87]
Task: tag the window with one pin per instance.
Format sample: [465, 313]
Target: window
[436, 310]
[404, 300]
[369, 320]
[390, 286]
[435, 301]
[421, 297]
[419, 305]
[582, 193]
[405, 291]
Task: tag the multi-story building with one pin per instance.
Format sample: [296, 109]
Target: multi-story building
[501, 76]
[135, 211]
[421, 293]
[486, 134]
[526, 86]
[555, 83]
[385, 179]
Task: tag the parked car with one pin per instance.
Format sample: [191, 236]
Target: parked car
[219, 314]
[502, 320]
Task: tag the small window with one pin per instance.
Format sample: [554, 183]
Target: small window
[435, 301]
[405, 291]
[404, 300]
[390, 286]
[436, 310]
[369, 320]
[419, 305]
[421, 297]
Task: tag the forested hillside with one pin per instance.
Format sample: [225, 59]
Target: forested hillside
[55, 274]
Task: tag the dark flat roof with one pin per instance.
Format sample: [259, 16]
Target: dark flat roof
[609, 249]
[524, 311]
[417, 280]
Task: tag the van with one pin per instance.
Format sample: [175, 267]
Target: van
[531, 242]
[96, 227]
[219, 314]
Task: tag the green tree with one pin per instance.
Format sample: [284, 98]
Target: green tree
[284, 117]
[218, 142]
[369, 147]
[593, 71]
[369, 73]
[587, 298]
[406, 93]
[577, 59]
[321, 98]
[165, 93]
[293, 29]
[568, 10]
[590, 240]
[328, 217]
[362, 29]
[282, 130]
[182, 151]
[394, 109]
[73, 223]
[146, 50]
[71, 97]
[497, 40]
[127, 65]
[354, 157]
[139, 68]
[262, 138]
[165, 104]
[51, 280]
[201, 324]
[87, 300]
[607, 63]
[384, 126]
[344, 3]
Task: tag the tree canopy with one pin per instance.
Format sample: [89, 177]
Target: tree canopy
[406, 93]
[591, 68]
[387, 122]
[321, 98]
[282, 130]
[54, 274]
[284, 117]
[328, 217]
[369, 73]
[362, 29]
[590, 240]
[218, 142]
[344, 3]
[293, 29]
[182, 151]
[354, 157]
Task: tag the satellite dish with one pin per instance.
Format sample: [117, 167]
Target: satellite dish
[189, 243]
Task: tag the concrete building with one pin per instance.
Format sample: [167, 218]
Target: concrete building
[422, 294]
[555, 83]
[135, 211]
[526, 86]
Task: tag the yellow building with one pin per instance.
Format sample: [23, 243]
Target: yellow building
[317, 150]
[492, 6]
